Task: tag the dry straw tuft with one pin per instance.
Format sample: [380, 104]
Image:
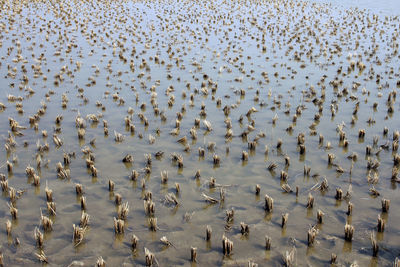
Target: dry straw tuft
[348, 232]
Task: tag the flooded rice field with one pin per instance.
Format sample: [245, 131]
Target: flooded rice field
[199, 133]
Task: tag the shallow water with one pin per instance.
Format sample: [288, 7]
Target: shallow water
[211, 51]
[389, 7]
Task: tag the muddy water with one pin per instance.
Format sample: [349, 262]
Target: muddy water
[211, 51]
